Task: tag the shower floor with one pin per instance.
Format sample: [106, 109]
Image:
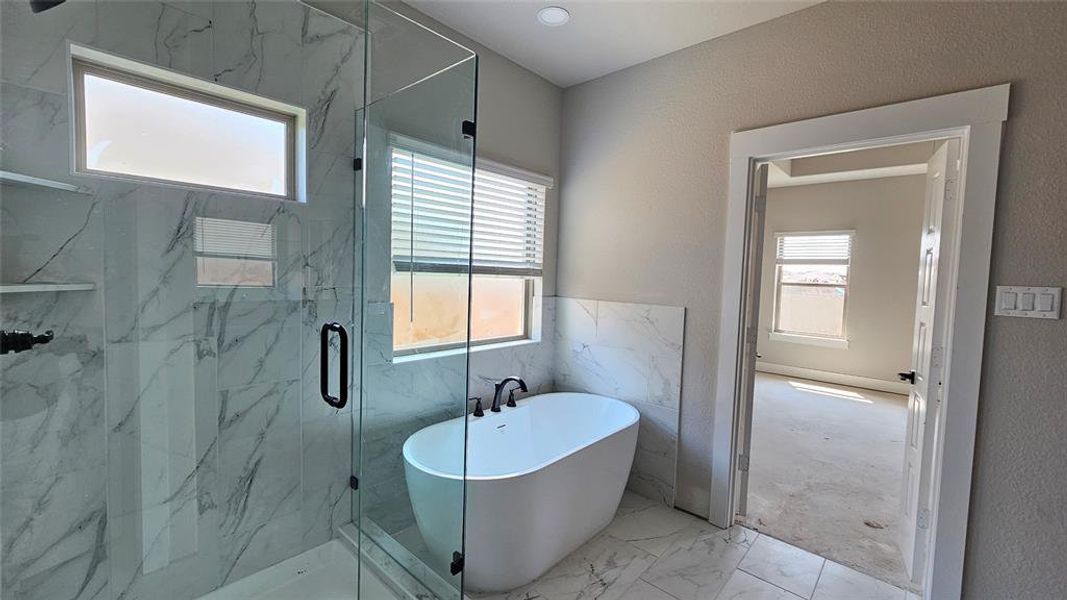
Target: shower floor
[327, 572]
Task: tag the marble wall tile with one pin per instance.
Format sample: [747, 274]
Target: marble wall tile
[259, 459]
[327, 451]
[258, 47]
[54, 537]
[332, 81]
[161, 428]
[52, 236]
[576, 318]
[150, 277]
[326, 499]
[258, 342]
[33, 47]
[266, 544]
[169, 37]
[323, 510]
[52, 416]
[331, 222]
[634, 353]
[155, 554]
[35, 127]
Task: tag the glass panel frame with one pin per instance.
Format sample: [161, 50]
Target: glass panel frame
[420, 84]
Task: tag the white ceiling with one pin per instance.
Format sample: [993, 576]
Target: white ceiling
[603, 35]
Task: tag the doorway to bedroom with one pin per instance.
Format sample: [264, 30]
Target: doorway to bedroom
[842, 326]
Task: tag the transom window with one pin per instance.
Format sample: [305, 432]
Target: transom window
[431, 246]
[151, 127]
[811, 283]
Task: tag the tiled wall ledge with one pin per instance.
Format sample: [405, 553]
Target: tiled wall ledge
[632, 352]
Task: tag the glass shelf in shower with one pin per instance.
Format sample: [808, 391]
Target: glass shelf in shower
[25, 288]
[9, 177]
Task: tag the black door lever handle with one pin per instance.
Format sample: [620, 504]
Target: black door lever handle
[908, 376]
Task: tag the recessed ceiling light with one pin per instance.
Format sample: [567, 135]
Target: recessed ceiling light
[553, 16]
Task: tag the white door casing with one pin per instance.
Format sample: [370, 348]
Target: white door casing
[928, 335]
[977, 118]
[752, 284]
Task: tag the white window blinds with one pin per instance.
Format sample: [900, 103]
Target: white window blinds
[814, 247]
[431, 218]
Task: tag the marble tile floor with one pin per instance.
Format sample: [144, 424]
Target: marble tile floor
[652, 552]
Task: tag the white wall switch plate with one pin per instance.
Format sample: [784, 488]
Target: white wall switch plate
[1026, 301]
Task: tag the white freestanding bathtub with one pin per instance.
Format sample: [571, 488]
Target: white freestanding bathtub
[542, 478]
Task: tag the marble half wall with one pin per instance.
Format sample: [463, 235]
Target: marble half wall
[632, 352]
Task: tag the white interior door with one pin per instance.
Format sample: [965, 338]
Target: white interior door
[750, 318]
[927, 356]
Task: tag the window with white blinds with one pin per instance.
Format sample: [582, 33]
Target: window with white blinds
[231, 252]
[811, 284]
[814, 247]
[431, 227]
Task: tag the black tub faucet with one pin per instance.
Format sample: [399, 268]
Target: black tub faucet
[500, 391]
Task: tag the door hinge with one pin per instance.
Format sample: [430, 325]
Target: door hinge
[760, 202]
[457, 563]
[923, 518]
[469, 129]
[742, 462]
[353, 482]
[357, 164]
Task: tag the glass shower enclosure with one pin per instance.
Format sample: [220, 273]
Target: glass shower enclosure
[203, 380]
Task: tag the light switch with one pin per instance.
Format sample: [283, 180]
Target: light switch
[1027, 301]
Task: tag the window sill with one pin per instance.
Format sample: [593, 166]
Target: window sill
[810, 340]
[434, 354]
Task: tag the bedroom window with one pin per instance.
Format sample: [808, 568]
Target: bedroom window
[811, 285]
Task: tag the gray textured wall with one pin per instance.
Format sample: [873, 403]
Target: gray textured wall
[648, 146]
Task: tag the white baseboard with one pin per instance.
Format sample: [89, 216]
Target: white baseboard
[867, 383]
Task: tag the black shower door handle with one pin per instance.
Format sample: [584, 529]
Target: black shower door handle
[341, 399]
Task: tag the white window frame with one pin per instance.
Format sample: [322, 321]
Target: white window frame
[533, 283]
[83, 60]
[827, 341]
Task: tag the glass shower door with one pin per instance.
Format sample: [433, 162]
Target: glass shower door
[169, 436]
[419, 153]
